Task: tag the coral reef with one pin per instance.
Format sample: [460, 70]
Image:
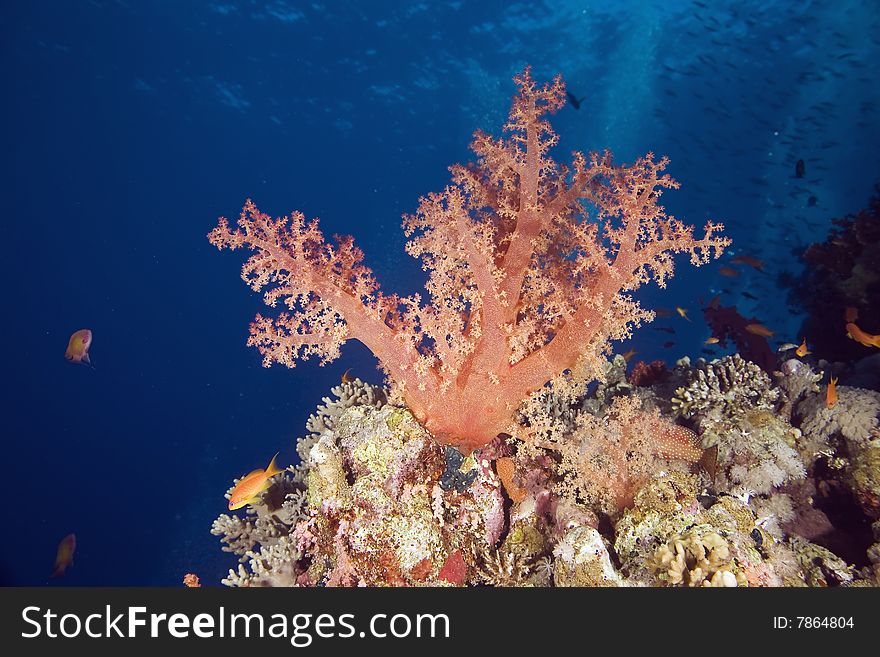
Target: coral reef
[575, 498]
[670, 538]
[507, 449]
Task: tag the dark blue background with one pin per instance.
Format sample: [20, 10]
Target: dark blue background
[129, 127]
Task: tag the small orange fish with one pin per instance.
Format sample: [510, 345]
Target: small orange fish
[730, 272]
[831, 393]
[64, 556]
[759, 329]
[345, 377]
[748, 260]
[78, 347]
[851, 314]
[712, 340]
[802, 350]
[663, 312]
[627, 355]
[683, 312]
[247, 491]
[861, 337]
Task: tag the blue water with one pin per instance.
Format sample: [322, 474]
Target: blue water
[129, 127]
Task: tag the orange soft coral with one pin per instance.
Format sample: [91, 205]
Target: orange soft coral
[530, 268]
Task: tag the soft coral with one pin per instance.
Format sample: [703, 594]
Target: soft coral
[521, 285]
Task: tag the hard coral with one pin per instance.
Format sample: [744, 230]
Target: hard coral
[723, 387]
[522, 286]
[597, 497]
[669, 539]
[698, 557]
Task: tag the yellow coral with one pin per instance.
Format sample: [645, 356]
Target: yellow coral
[698, 557]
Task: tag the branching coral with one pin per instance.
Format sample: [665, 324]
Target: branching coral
[725, 387]
[521, 286]
[647, 374]
[697, 558]
[348, 393]
[262, 538]
[500, 568]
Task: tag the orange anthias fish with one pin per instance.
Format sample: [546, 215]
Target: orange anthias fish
[712, 340]
[831, 393]
[64, 556]
[851, 314]
[247, 491]
[759, 329]
[627, 355]
[861, 337]
[748, 260]
[345, 377]
[730, 272]
[78, 347]
[802, 350]
[683, 312]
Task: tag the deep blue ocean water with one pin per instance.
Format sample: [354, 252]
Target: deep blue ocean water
[130, 126]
